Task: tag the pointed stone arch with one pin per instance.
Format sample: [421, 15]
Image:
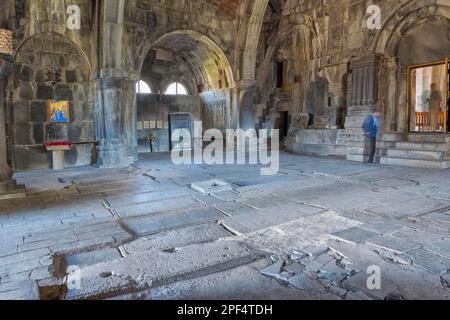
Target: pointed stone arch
[206, 59]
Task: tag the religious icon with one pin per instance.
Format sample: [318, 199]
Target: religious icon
[58, 111]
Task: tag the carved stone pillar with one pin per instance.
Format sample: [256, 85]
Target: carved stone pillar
[115, 122]
[246, 109]
[115, 94]
[364, 97]
[391, 90]
[8, 187]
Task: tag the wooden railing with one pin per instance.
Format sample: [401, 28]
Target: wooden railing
[423, 121]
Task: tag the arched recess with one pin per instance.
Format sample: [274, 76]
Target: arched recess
[206, 59]
[298, 58]
[29, 90]
[416, 33]
[197, 62]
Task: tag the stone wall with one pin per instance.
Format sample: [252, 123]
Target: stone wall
[216, 110]
[30, 92]
[160, 73]
[154, 108]
[318, 42]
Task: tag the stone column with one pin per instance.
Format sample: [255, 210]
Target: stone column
[115, 119]
[8, 187]
[391, 91]
[115, 96]
[246, 107]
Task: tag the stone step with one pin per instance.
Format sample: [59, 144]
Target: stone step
[415, 154]
[415, 163]
[152, 268]
[319, 149]
[11, 190]
[393, 137]
[422, 146]
[385, 145]
[435, 138]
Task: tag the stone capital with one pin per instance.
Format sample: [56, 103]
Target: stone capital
[108, 73]
[246, 84]
[371, 60]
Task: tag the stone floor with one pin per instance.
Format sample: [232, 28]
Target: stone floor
[314, 231]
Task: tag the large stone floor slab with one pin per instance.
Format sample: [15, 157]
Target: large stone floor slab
[139, 271]
[355, 235]
[19, 290]
[149, 225]
[158, 206]
[201, 233]
[260, 219]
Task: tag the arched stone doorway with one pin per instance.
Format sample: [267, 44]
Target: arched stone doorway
[200, 65]
[418, 34]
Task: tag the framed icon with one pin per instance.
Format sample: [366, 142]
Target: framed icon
[58, 111]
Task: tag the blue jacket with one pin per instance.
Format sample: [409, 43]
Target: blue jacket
[370, 127]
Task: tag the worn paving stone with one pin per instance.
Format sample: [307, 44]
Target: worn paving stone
[416, 236]
[19, 290]
[47, 243]
[24, 266]
[441, 247]
[253, 221]
[381, 227]
[232, 208]
[258, 203]
[429, 261]
[355, 235]
[358, 282]
[186, 236]
[153, 224]
[446, 279]
[94, 257]
[208, 200]
[23, 256]
[394, 244]
[440, 216]
[227, 195]
[126, 200]
[158, 206]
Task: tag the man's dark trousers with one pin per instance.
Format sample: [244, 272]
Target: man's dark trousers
[373, 149]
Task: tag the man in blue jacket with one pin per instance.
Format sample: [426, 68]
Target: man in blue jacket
[370, 127]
